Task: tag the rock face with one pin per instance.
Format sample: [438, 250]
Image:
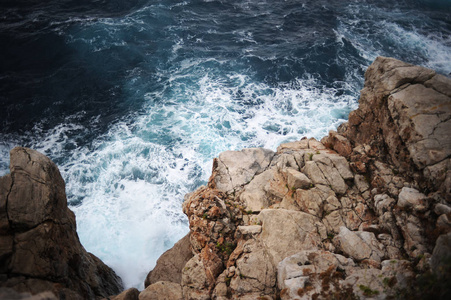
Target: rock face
[39, 246]
[365, 213]
[170, 264]
[411, 126]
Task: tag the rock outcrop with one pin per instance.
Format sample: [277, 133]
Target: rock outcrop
[365, 213]
[39, 246]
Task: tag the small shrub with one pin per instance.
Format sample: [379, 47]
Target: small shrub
[367, 291]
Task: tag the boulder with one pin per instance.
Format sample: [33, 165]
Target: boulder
[254, 273]
[194, 279]
[359, 245]
[40, 250]
[297, 180]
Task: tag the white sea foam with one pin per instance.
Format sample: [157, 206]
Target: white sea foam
[382, 34]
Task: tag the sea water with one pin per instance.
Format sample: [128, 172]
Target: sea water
[133, 99]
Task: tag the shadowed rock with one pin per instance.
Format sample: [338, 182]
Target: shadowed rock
[39, 246]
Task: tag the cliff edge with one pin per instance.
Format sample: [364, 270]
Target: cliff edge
[365, 213]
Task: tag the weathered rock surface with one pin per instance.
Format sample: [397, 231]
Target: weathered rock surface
[10, 294]
[404, 116]
[39, 246]
[170, 264]
[356, 215]
[162, 290]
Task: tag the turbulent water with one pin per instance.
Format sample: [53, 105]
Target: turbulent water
[133, 99]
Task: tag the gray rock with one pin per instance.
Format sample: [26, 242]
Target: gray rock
[297, 180]
[254, 271]
[306, 273]
[312, 170]
[412, 198]
[255, 194]
[440, 260]
[194, 279]
[419, 113]
[441, 209]
[250, 229]
[236, 168]
[359, 245]
[342, 165]
[285, 232]
[331, 174]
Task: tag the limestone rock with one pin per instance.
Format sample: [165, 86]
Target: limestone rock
[311, 272]
[331, 174]
[255, 195]
[297, 180]
[405, 109]
[36, 179]
[255, 274]
[441, 209]
[285, 232]
[314, 173]
[296, 146]
[40, 248]
[233, 169]
[162, 290]
[359, 245]
[339, 143]
[194, 279]
[411, 198]
[250, 230]
[170, 264]
[379, 188]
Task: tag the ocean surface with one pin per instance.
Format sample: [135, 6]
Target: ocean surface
[133, 99]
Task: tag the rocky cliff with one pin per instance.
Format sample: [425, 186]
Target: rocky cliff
[39, 246]
[363, 213]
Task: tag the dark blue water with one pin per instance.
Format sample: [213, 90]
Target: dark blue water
[133, 99]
